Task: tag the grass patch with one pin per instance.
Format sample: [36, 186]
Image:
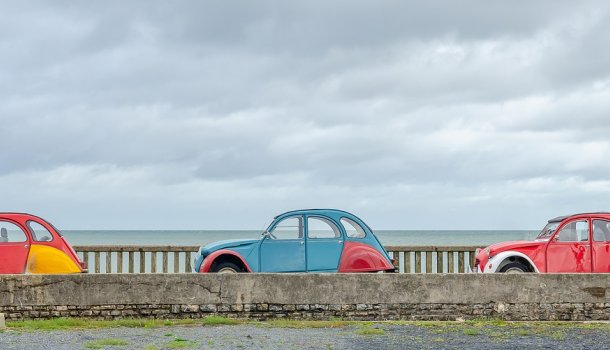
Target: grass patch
[523, 332]
[217, 321]
[370, 331]
[494, 328]
[81, 323]
[102, 343]
[300, 324]
[471, 331]
[180, 343]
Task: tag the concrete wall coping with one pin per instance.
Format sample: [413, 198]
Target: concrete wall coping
[133, 289]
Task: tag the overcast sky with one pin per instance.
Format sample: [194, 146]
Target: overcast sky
[222, 114]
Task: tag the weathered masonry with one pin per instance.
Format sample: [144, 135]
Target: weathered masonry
[310, 296]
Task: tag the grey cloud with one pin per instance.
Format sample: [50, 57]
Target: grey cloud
[383, 108]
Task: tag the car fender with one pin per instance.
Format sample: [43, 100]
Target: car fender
[209, 260]
[360, 257]
[49, 260]
[497, 259]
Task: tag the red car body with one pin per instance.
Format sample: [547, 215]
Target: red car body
[29, 244]
[567, 244]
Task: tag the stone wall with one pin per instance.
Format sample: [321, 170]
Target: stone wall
[308, 296]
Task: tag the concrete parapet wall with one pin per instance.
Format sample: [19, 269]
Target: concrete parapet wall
[354, 296]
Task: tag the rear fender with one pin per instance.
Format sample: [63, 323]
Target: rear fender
[210, 259]
[360, 257]
[50, 260]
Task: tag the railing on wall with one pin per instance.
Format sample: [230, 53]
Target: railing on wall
[433, 259]
[179, 259]
[137, 259]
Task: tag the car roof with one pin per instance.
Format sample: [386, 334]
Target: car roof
[318, 210]
[561, 218]
[19, 215]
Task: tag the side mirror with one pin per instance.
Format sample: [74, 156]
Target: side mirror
[266, 235]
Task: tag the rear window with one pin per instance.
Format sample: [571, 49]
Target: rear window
[352, 228]
[39, 232]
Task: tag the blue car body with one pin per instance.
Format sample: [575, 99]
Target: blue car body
[305, 253]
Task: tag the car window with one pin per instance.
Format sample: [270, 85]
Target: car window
[352, 228]
[289, 228]
[548, 230]
[576, 231]
[11, 233]
[39, 232]
[318, 227]
[601, 231]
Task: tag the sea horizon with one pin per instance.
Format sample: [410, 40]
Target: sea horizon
[202, 237]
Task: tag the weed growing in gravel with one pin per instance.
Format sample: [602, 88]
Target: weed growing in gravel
[180, 343]
[217, 321]
[150, 347]
[102, 343]
[81, 323]
[309, 324]
[471, 331]
[370, 331]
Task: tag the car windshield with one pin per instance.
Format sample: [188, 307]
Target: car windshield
[548, 230]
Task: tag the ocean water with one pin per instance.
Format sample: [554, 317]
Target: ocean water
[192, 237]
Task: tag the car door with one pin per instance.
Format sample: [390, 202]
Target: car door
[569, 249]
[600, 245]
[283, 249]
[324, 244]
[14, 248]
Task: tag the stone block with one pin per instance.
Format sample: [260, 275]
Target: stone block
[208, 308]
[289, 307]
[275, 307]
[362, 307]
[189, 308]
[237, 307]
[302, 307]
[224, 308]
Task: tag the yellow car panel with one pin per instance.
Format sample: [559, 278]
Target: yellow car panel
[45, 259]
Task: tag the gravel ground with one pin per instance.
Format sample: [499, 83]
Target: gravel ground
[376, 336]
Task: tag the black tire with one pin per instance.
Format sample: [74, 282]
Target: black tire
[226, 267]
[515, 267]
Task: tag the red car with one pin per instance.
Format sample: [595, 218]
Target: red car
[29, 244]
[574, 243]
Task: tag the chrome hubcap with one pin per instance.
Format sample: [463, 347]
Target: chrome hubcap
[227, 270]
[514, 270]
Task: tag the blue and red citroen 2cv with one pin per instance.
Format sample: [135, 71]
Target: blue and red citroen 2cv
[310, 240]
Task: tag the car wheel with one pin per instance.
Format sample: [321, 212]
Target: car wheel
[226, 267]
[514, 267]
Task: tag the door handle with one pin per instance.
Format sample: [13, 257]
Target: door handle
[302, 242]
[339, 241]
[26, 246]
